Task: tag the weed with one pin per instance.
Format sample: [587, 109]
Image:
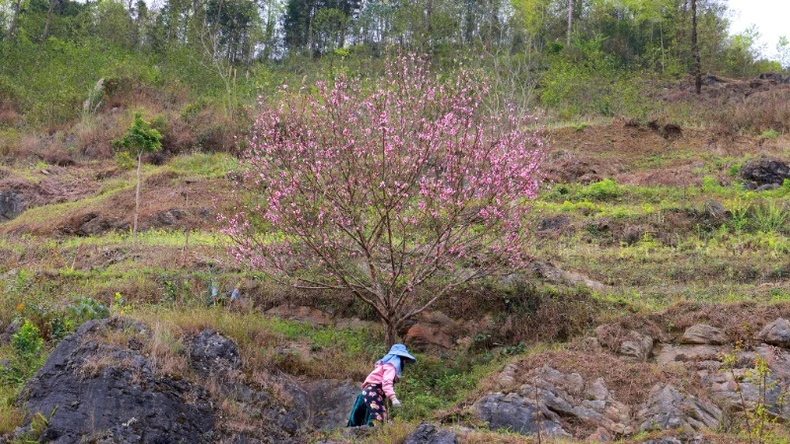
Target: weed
[769, 134]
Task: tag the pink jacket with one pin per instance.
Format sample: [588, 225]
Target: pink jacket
[384, 375]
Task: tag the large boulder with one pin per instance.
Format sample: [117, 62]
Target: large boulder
[11, 205]
[519, 414]
[669, 408]
[765, 171]
[321, 405]
[210, 352]
[776, 333]
[110, 392]
[704, 334]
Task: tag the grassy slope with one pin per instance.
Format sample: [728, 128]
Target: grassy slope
[645, 236]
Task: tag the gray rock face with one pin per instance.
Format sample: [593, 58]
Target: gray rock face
[636, 346]
[518, 414]
[776, 333]
[11, 205]
[430, 434]
[704, 334]
[323, 404]
[211, 352]
[669, 408]
[122, 402]
[765, 171]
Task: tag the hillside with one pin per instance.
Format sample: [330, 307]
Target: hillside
[659, 278]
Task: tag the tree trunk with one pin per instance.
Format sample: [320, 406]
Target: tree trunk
[695, 49]
[49, 20]
[391, 333]
[137, 198]
[570, 21]
[15, 20]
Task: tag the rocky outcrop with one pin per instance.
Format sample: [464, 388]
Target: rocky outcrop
[765, 171]
[11, 205]
[554, 395]
[92, 389]
[669, 408]
[776, 333]
[518, 414]
[704, 334]
[210, 352]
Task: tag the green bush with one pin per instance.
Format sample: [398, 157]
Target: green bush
[604, 190]
[27, 342]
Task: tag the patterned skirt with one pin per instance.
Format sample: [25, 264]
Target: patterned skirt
[376, 402]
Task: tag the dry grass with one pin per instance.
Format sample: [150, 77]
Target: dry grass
[11, 417]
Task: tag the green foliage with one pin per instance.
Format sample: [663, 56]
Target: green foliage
[85, 309]
[605, 190]
[139, 138]
[769, 134]
[436, 383]
[28, 341]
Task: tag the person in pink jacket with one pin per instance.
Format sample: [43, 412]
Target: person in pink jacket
[379, 386]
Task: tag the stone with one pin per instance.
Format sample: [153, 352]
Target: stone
[507, 378]
[211, 352]
[422, 336]
[776, 333]
[570, 396]
[429, 434]
[689, 353]
[669, 408]
[123, 401]
[554, 223]
[714, 211]
[11, 205]
[323, 404]
[765, 171]
[636, 346]
[554, 274]
[704, 334]
[518, 414]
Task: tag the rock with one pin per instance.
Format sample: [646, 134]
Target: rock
[120, 399]
[300, 313]
[552, 395]
[554, 274]
[210, 352]
[432, 330]
[633, 234]
[767, 187]
[328, 403]
[765, 171]
[518, 414]
[421, 336]
[636, 346]
[689, 353]
[507, 378]
[704, 334]
[776, 333]
[668, 408]
[429, 434]
[11, 205]
[715, 212]
[553, 223]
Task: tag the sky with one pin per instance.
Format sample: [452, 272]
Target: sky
[772, 18]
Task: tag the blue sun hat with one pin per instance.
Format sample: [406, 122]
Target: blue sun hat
[396, 355]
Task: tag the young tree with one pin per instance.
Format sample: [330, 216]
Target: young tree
[139, 138]
[399, 191]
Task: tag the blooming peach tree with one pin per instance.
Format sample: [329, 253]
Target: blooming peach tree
[398, 191]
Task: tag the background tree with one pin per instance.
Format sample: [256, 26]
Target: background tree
[399, 195]
[139, 138]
